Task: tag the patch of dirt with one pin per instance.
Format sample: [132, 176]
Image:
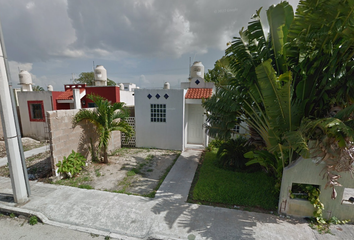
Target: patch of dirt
[27, 143]
[38, 167]
[130, 170]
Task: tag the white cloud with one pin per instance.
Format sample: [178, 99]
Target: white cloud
[36, 30]
[143, 81]
[30, 5]
[39, 30]
[56, 38]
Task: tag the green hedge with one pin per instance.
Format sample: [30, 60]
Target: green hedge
[243, 189]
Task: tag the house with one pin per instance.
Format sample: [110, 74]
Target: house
[173, 114]
[33, 105]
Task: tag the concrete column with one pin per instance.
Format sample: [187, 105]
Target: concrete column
[10, 137]
[76, 96]
[15, 156]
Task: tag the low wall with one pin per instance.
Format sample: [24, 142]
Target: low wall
[306, 171]
[64, 137]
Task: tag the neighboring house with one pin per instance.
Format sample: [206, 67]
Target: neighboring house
[127, 93]
[75, 96]
[32, 108]
[34, 105]
[130, 87]
[173, 118]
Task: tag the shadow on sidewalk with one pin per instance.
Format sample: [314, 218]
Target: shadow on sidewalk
[208, 222]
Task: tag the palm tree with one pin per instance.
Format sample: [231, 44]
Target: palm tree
[107, 117]
[37, 88]
[288, 76]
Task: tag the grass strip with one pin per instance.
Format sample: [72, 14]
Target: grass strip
[221, 186]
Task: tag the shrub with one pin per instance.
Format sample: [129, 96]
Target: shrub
[230, 153]
[33, 220]
[215, 143]
[71, 165]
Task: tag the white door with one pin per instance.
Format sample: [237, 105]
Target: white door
[195, 124]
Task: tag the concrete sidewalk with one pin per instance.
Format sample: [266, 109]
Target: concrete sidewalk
[29, 153]
[167, 216]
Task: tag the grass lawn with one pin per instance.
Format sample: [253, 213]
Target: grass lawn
[220, 186]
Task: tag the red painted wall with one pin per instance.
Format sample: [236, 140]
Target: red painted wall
[55, 95]
[109, 92]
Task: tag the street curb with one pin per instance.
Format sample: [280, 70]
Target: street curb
[45, 220]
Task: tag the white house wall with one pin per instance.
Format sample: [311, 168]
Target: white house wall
[200, 83]
[36, 130]
[127, 97]
[163, 135]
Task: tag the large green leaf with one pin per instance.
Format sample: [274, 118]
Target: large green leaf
[280, 17]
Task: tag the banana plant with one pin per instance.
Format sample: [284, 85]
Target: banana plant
[261, 68]
[288, 80]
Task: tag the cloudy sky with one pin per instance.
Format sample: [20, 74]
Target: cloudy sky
[146, 42]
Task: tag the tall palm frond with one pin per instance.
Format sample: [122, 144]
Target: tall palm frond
[107, 117]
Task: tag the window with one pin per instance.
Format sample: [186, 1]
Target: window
[91, 105]
[158, 112]
[236, 129]
[36, 111]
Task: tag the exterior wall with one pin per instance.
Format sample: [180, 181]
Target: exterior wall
[129, 87]
[34, 129]
[64, 138]
[109, 92]
[163, 135]
[201, 83]
[55, 95]
[127, 97]
[306, 171]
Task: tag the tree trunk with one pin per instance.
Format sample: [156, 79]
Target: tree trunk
[105, 155]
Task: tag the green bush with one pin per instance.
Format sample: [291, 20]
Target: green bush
[237, 188]
[71, 165]
[230, 153]
[215, 143]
